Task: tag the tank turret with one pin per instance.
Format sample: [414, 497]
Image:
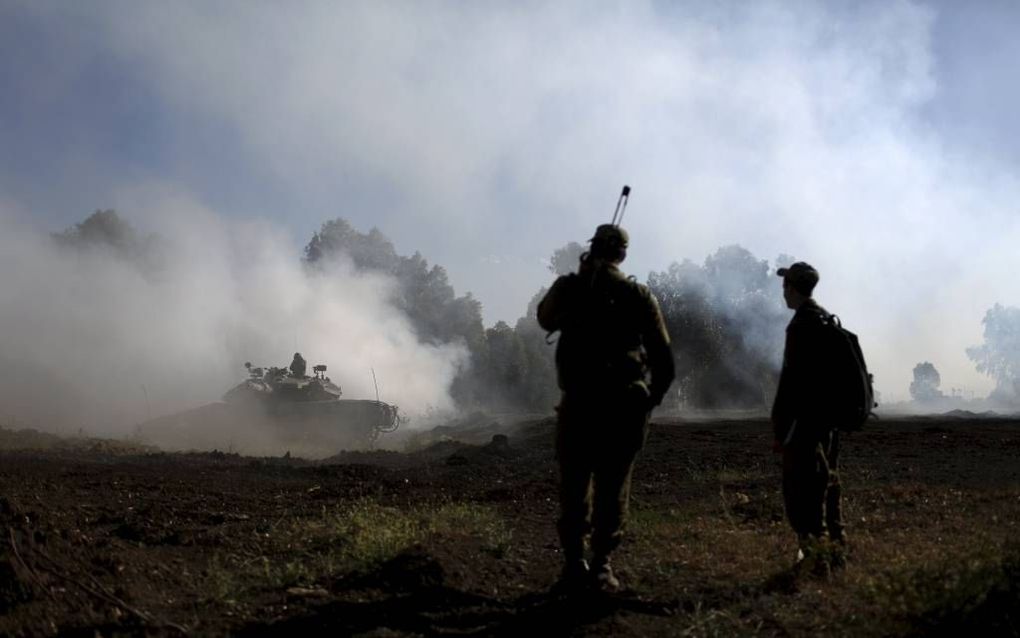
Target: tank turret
[310, 408]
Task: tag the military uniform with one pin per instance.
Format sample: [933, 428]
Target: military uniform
[811, 487]
[612, 337]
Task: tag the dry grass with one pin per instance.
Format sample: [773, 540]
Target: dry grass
[351, 538]
[462, 548]
[919, 563]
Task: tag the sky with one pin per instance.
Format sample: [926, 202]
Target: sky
[875, 140]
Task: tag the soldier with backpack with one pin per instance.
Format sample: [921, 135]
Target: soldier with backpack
[614, 365]
[824, 387]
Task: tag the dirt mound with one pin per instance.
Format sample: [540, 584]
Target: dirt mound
[448, 451]
[968, 415]
[29, 440]
[248, 431]
[476, 429]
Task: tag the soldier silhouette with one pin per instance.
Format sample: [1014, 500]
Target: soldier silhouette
[298, 367]
[614, 365]
[804, 430]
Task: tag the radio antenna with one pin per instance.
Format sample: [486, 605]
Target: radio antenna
[621, 205]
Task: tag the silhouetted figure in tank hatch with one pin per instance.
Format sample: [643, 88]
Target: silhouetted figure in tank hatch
[804, 428]
[614, 366]
[298, 365]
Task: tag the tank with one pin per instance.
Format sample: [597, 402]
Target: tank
[309, 410]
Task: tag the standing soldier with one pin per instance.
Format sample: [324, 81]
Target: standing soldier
[298, 367]
[614, 365]
[804, 428]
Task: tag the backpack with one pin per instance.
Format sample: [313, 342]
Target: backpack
[602, 349]
[851, 390]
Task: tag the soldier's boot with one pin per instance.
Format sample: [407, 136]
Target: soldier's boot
[812, 558]
[603, 578]
[574, 576]
[838, 551]
[823, 562]
[575, 572]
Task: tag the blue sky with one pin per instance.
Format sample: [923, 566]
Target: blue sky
[869, 140]
[84, 121]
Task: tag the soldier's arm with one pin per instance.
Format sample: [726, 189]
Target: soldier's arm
[790, 392]
[554, 309]
[655, 339]
[782, 417]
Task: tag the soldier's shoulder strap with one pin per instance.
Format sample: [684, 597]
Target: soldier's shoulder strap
[562, 291]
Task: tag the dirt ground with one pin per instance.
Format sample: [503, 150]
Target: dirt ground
[457, 537]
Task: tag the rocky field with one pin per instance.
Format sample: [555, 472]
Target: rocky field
[456, 536]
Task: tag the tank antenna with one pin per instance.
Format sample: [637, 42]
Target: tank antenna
[376, 383]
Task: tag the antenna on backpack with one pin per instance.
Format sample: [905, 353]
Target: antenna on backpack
[621, 206]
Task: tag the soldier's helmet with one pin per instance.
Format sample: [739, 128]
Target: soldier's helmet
[609, 237]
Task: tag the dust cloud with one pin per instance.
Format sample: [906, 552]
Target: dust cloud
[98, 342]
[486, 137]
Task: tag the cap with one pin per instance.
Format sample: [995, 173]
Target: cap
[800, 275]
[609, 235]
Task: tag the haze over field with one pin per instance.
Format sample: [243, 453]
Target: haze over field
[876, 142]
[104, 343]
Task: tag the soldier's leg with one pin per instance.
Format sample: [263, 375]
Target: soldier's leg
[834, 492]
[612, 496]
[803, 488]
[611, 501]
[612, 491]
[575, 490]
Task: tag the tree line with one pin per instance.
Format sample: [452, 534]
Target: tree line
[725, 315]
[998, 357]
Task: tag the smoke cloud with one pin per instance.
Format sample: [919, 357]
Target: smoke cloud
[488, 136]
[92, 340]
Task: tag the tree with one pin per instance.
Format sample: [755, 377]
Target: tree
[506, 367]
[736, 274]
[372, 251]
[999, 355]
[540, 391]
[683, 295]
[726, 321]
[925, 386]
[565, 260]
[424, 294]
[105, 231]
[101, 228]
